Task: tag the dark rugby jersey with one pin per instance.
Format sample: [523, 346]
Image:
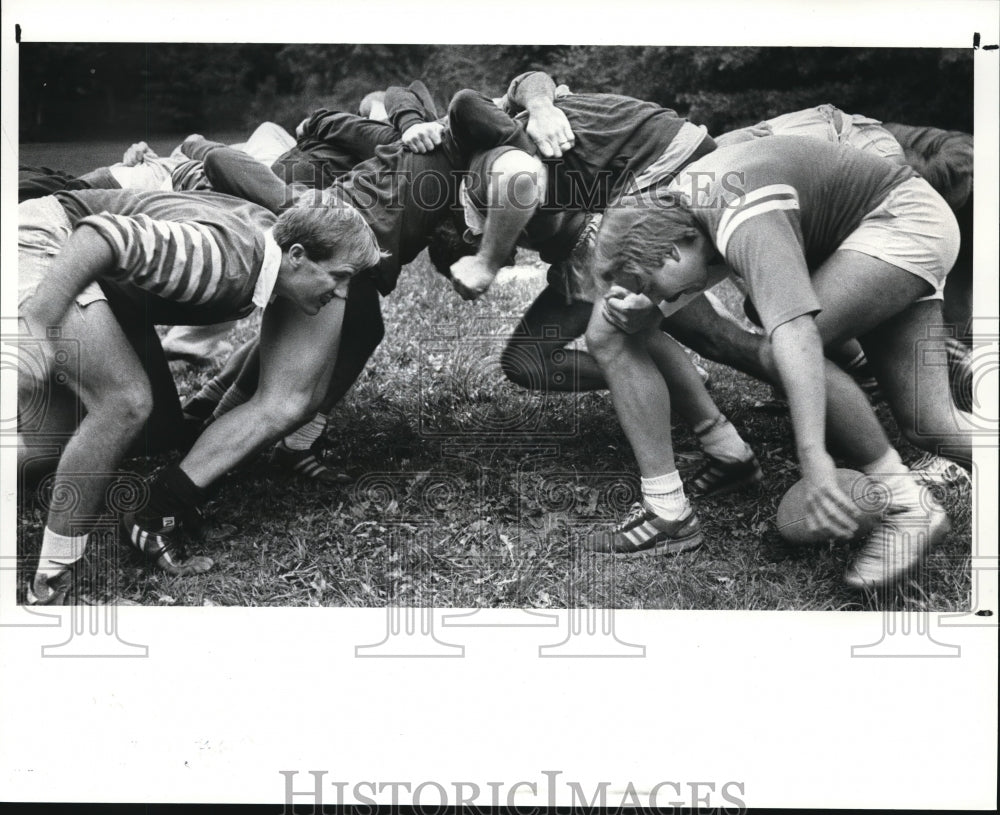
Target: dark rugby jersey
[616, 138]
[332, 142]
[403, 196]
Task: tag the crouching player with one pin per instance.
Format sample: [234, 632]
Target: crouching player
[831, 244]
[165, 258]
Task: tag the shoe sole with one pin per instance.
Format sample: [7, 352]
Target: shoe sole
[667, 548]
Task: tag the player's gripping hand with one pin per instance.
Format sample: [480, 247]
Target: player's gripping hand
[423, 137]
[628, 311]
[549, 129]
[471, 277]
[137, 154]
[827, 510]
[744, 134]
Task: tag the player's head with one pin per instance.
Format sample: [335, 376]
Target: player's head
[322, 248]
[653, 245]
[447, 244]
[373, 107]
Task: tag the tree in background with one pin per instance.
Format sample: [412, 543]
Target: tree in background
[103, 89]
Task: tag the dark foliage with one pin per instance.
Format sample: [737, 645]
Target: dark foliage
[72, 90]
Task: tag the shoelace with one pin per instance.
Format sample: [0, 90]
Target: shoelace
[931, 464]
[634, 514]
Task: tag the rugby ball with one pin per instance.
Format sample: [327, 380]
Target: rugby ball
[868, 496]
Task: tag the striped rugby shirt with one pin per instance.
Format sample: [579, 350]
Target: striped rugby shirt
[777, 208]
[184, 258]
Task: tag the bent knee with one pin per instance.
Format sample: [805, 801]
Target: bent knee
[517, 361]
[605, 342]
[284, 415]
[128, 407]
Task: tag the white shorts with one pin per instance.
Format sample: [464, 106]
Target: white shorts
[833, 125]
[914, 229]
[42, 229]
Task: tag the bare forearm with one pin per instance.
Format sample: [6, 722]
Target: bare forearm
[531, 90]
[84, 257]
[798, 356]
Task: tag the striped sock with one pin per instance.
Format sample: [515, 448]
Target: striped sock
[234, 397]
[201, 405]
[305, 436]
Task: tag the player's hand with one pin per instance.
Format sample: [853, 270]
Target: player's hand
[827, 509]
[189, 143]
[471, 277]
[628, 311]
[760, 130]
[137, 154]
[549, 129]
[423, 137]
[300, 128]
[744, 134]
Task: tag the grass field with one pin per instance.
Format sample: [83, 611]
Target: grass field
[470, 492]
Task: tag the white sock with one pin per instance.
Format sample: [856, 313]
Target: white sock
[665, 494]
[720, 440]
[303, 438]
[903, 486]
[59, 552]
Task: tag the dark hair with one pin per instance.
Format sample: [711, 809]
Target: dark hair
[637, 234]
[327, 230]
[446, 244]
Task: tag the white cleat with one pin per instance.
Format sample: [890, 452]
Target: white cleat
[898, 544]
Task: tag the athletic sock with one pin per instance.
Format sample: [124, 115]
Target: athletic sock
[856, 364]
[59, 552]
[233, 397]
[903, 486]
[720, 440]
[305, 436]
[665, 495]
[201, 405]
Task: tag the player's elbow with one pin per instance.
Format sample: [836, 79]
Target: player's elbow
[464, 105]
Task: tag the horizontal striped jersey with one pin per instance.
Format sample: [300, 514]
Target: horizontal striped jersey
[187, 258]
[777, 208]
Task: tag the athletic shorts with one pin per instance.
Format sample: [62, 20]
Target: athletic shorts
[573, 277]
[833, 125]
[42, 229]
[914, 229]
